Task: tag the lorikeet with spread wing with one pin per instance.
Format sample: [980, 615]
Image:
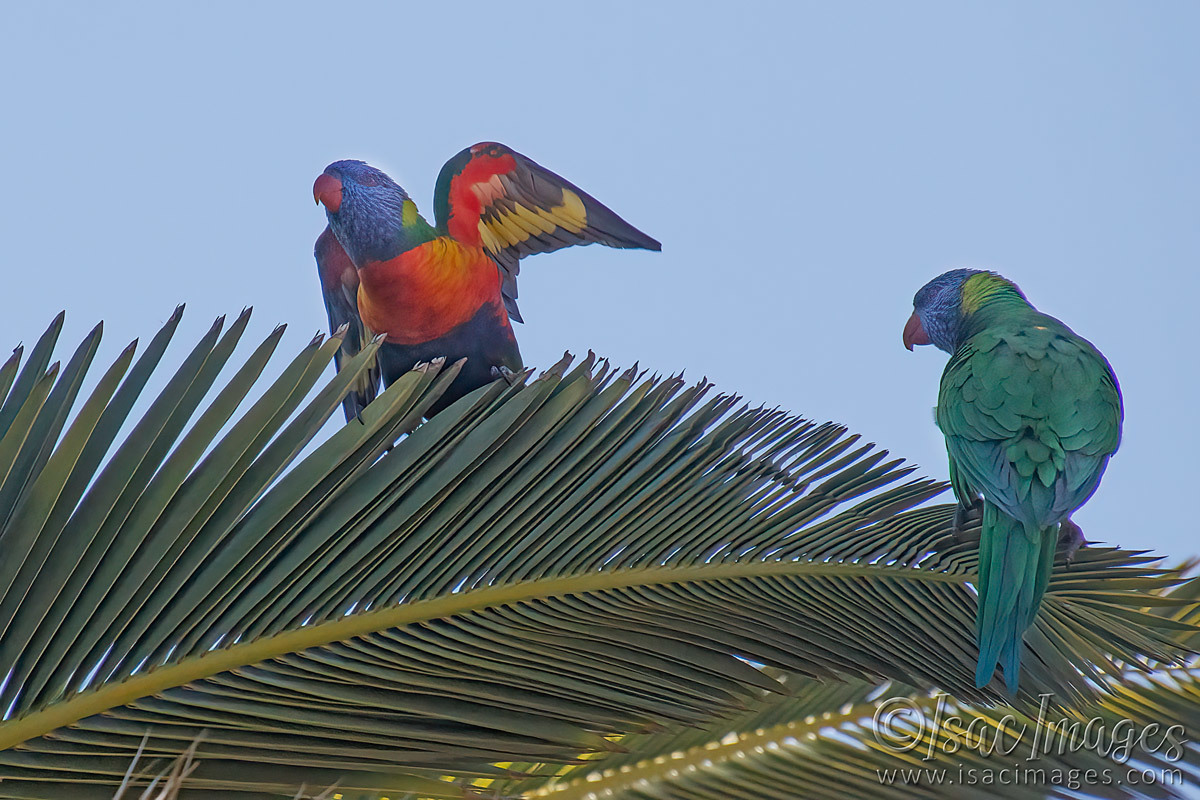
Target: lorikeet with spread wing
[1031, 413]
[447, 289]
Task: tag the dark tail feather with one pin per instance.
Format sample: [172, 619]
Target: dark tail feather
[1014, 569]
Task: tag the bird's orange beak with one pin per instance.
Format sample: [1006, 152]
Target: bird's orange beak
[328, 190]
[914, 333]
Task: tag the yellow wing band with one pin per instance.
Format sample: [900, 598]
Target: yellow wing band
[508, 228]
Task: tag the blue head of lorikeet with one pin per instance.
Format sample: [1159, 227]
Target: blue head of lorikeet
[937, 312]
[365, 208]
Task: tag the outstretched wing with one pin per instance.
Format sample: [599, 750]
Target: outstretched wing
[339, 285]
[492, 196]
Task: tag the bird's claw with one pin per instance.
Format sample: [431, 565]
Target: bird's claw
[507, 374]
[1070, 538]
[964, 517]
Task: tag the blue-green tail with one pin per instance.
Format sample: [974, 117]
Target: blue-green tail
[1015, 563]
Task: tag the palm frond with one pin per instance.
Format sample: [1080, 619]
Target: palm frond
[861, 740]
[525, 577]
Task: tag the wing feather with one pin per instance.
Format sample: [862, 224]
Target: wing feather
[339, 287]
[493, 196]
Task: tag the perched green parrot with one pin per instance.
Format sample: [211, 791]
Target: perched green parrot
[1031, 413]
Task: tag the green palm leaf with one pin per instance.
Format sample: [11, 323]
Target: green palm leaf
[825, 741]
[527, 576]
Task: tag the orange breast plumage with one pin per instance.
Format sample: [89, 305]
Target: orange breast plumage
[425, 292]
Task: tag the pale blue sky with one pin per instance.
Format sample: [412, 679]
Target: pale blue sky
[807, 166]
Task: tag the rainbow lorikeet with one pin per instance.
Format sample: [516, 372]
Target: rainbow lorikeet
[447, 289]
[1031, 413]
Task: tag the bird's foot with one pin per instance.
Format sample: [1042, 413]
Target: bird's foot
[964, 517]
[507, 374]
[1070, 538]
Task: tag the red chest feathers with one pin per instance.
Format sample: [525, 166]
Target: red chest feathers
[425, 292]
